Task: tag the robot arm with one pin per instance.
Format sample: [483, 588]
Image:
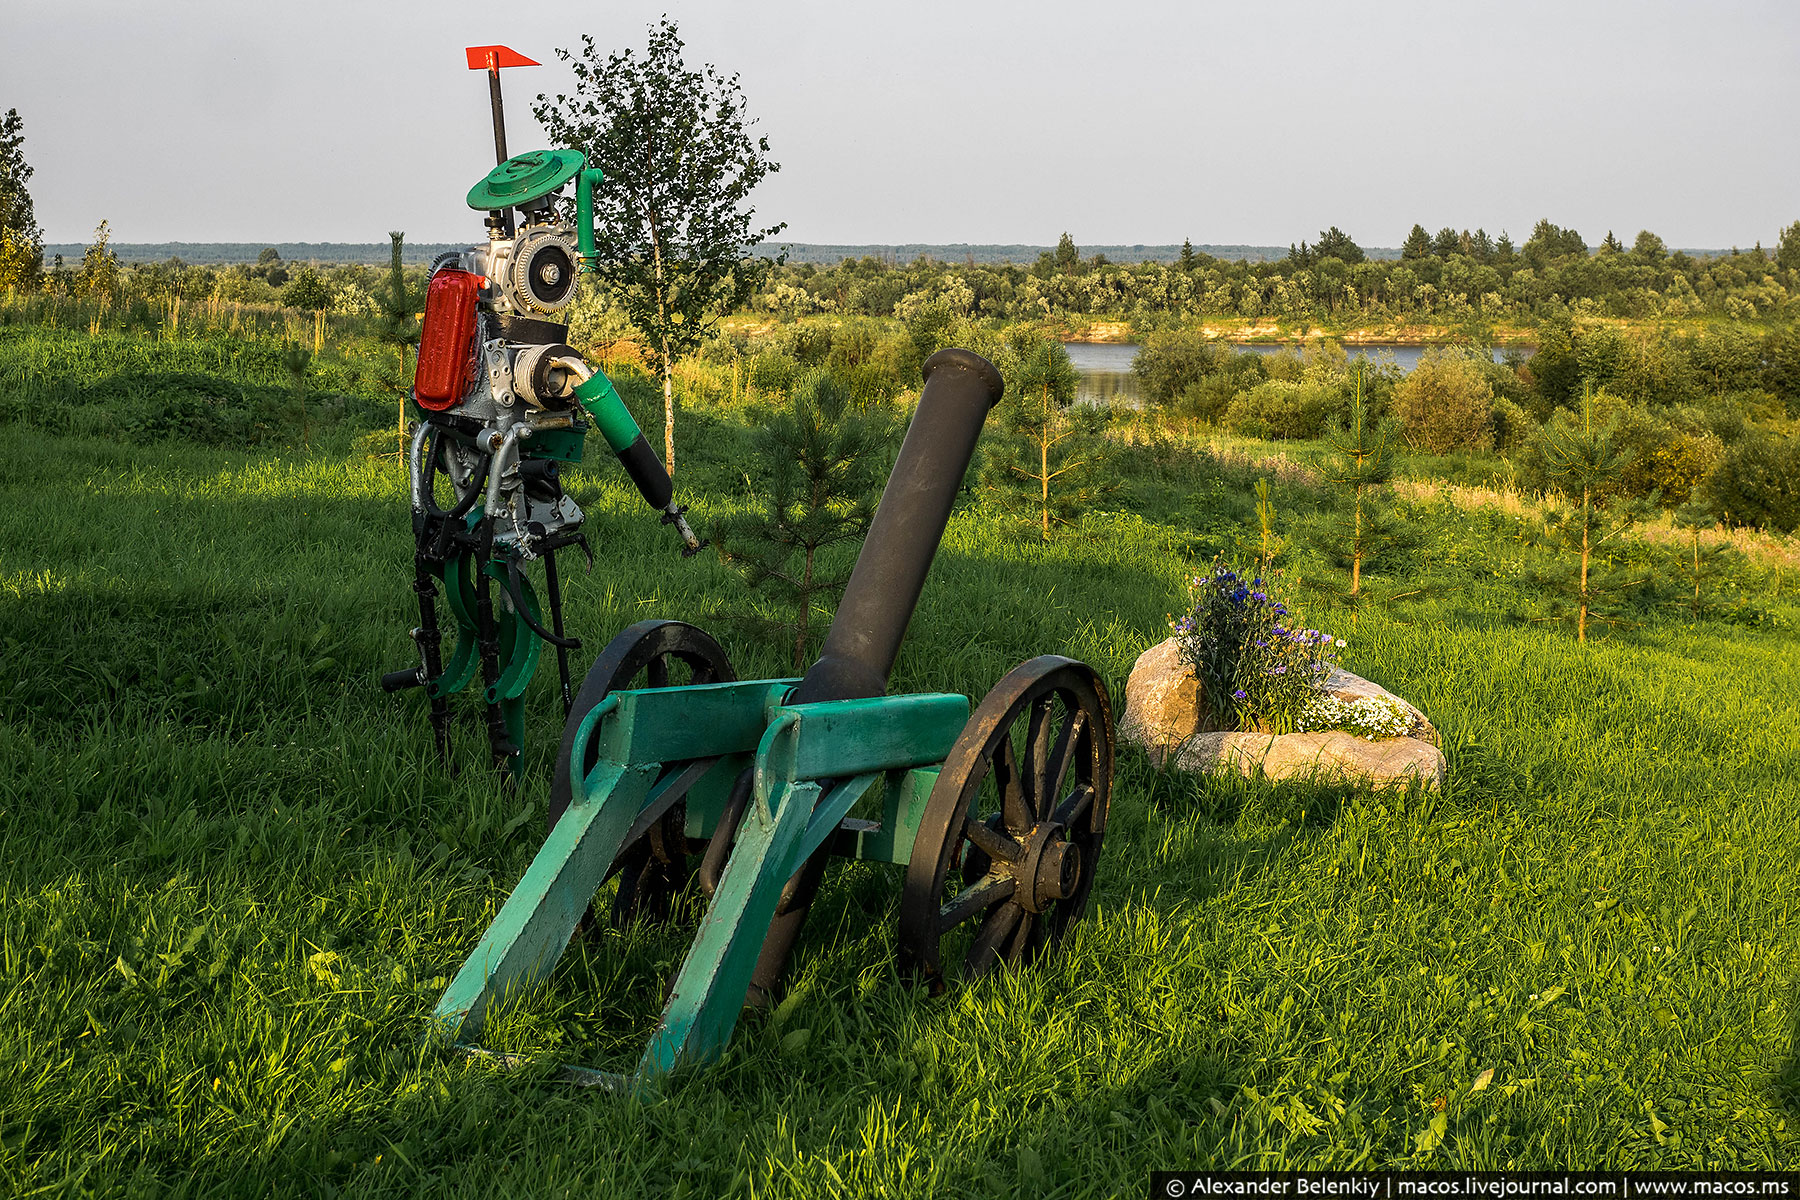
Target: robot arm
[559, 371]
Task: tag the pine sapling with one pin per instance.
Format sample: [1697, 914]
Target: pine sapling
[1582, 461]
[396, 325]
[1047, 461]
[1264, 545]
[824, 463]
[1703, 564]
[1361, 469]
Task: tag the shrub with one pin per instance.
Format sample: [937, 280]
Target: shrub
[1171, 363]
[1254, 670]
[824, 466]
[1513, 428]
[1279, 408]
[1757, 482]
[1446, 403]
[770, 371]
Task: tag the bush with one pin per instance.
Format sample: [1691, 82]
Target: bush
[1757, 482]
[1278, 408]
[1666, 461]
[770, 372]
[1172, 363]
[1513, 428]
[1254, 671]
[1446, 403]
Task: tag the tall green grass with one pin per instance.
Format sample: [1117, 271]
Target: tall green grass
[233, 879]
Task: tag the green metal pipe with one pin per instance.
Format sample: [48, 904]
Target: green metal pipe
[584, 215]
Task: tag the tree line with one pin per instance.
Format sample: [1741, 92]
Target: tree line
[1449, 278]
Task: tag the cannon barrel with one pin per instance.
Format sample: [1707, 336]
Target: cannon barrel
[864, 639]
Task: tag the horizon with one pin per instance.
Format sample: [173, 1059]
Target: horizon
[222, 254]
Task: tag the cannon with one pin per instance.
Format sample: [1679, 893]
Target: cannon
[505, 405]
[741, 791]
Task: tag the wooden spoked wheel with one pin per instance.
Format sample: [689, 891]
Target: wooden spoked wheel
[653, 869]
[1005, 857]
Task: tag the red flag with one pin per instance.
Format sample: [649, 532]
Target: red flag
[482, 58]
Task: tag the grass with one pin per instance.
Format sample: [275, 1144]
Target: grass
[233, 881]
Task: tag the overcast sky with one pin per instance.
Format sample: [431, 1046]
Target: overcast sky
[1234, 123]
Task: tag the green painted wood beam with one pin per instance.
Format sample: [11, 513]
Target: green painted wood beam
[812, 763]
[903, 801]
[533, 928]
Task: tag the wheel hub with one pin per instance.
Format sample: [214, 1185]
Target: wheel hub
[1049, 870]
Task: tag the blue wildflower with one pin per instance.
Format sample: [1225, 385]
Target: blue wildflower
[1240, 694]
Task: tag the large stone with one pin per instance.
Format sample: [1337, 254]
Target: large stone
[1167, 714]
[1331, 755]
[1163, 702]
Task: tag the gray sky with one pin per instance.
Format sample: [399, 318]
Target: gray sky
[1254, 123]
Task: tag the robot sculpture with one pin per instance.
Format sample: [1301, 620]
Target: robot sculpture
[505, 405]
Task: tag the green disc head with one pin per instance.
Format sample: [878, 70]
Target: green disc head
[524, 177]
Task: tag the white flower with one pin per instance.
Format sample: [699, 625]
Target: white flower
[1340, 642]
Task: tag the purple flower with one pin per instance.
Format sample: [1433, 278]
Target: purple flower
[1258, 597]
[1240, 694]
[1261, 645]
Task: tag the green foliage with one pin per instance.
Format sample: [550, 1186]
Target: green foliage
[1335, 243]
[1263, 544]
[1360, 469]
[1757, 482]
[1550, 242]
[1586, 580]
[771, 372]
[1446, 403]
[1285, 409]
[673, 225]
[21, 241]
[822, 464]
[1705, 567]
[1169, 364]
[99, 275]
[1514, 428]
[1046, 460]
[1787, 249]
[307, 289]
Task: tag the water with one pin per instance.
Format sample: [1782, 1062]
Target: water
[1106, 378]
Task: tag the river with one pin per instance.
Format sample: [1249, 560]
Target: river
[1105, 373]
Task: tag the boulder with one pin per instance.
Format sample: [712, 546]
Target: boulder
[1167, 714]
[1330, 755]
[1164, 705]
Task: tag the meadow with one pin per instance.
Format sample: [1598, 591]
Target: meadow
[234, 878]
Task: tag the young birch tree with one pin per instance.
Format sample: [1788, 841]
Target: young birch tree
[673, 227]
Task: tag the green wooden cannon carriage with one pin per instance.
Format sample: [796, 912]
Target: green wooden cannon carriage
[743, 789]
